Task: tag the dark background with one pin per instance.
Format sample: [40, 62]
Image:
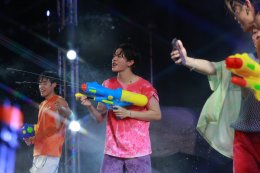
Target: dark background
[29, 41]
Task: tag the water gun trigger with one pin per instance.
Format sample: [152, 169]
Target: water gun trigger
[110, 107]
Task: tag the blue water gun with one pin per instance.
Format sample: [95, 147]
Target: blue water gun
[112, 97]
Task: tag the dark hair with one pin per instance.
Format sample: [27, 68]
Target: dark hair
[50, 75]
[255, 3]
[130, 52]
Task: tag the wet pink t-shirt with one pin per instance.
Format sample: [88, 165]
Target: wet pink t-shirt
[129, 138]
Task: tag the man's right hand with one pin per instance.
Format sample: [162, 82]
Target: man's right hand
[29, 141]
[175, 54]
[85, 101]
[83, 98]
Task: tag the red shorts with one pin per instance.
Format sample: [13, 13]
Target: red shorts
[246, 152]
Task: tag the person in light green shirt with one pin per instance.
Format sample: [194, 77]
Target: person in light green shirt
[223, 106]
[228, 104]
[220, 109]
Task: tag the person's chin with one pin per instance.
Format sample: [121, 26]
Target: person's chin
[114, 70]
[43, 95]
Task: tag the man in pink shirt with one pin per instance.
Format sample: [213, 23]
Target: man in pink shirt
[127, 146]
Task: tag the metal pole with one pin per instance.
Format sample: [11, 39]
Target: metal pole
[72, 24]
[67, 13]
[62, 74]
[77, 90]
[151, 54]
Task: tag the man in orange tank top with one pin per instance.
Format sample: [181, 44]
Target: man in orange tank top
[50, 134]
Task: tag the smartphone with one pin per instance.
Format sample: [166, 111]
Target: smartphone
[176, 46]
[174, 43]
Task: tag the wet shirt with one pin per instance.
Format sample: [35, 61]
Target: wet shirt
[49, 137]
[129, 138]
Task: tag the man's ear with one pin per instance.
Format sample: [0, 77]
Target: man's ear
[131, 63]
[249, 6]
[54, 85]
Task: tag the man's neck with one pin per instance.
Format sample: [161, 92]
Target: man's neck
[49, 96]
[127, 77]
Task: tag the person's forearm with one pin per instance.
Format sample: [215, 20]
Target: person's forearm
[149, 115]
[97, 115]
[201, 66]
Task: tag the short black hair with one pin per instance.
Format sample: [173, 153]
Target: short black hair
[50, 75]
[130, 52]
[255, 3]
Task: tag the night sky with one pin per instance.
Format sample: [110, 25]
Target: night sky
[29, 41]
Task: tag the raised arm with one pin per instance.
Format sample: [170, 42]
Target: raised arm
[199, 65]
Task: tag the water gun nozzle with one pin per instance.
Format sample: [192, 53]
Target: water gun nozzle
[84, 87]
[238, 81]
[235, 63]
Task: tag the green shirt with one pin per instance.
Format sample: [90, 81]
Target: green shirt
[220, 110]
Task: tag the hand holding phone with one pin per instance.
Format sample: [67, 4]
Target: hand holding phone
[176, 46]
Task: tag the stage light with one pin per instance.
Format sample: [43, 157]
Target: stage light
[48, 13]
[71, 54]
[74, 126]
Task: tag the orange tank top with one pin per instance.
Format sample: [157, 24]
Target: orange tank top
[50, 136]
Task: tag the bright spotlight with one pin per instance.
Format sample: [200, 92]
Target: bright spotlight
[74, 126]
[48, 13]
[71, 55]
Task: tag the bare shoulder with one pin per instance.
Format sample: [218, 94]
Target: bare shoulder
[40, 105]
[62, 101]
